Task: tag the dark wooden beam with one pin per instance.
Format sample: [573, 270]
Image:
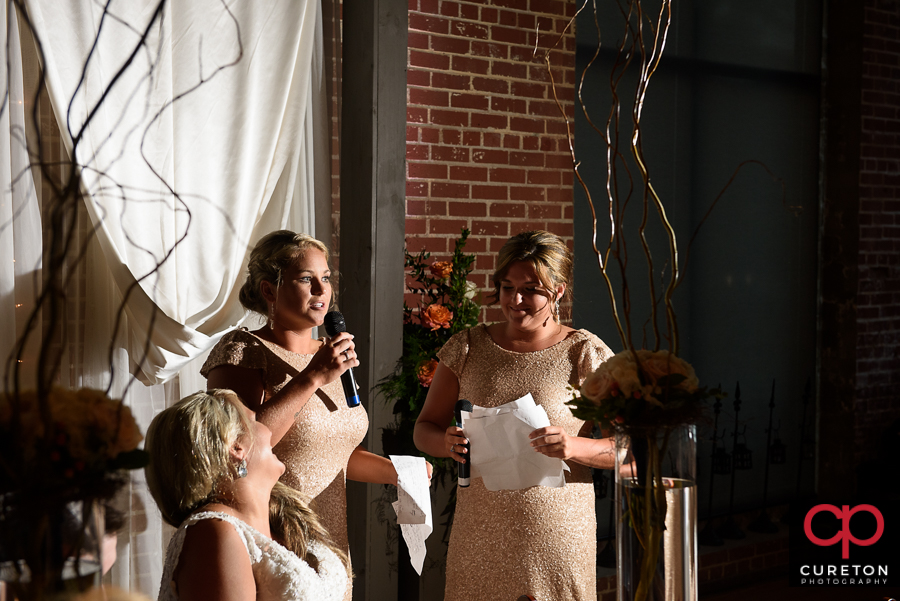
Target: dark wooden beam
[372, 226]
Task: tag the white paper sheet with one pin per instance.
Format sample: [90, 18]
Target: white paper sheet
[413, 505]
[501, 451]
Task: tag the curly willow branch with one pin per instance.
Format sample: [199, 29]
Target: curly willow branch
[648, 49]
[602, 257]
[633, 44]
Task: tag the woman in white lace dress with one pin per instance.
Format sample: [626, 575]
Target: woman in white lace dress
[240, 534]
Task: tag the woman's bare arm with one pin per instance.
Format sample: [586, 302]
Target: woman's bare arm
[433, 433]
[279, 412]
[214, 565]
[553, 441]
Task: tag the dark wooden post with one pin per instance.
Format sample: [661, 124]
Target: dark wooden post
[372, 225]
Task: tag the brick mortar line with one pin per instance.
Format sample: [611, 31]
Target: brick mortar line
[470, 128]
[494, 112]
[554, 153]
[531, 63]
[498, 166]
[486, 76]
[517, 11]
[497, 94]
[489, 40]
[529, 31]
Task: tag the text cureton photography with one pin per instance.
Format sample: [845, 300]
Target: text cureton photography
[844, 544]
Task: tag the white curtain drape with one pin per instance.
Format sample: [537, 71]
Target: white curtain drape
[189, 123]
[20, 218]
[198, 126]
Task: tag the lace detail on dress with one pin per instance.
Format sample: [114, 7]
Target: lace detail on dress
[280, 575]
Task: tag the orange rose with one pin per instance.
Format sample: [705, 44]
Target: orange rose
[436, 317]
[426, 371]
[441, 269]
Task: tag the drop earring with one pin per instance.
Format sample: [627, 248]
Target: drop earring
[557, 311]
[271, 319]
[242, 469]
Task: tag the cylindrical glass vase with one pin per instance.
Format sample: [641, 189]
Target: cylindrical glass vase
[656, 514]
[48, 549]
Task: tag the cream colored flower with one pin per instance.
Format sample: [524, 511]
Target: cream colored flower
[597, 385]
[623, 369]
[659, 364]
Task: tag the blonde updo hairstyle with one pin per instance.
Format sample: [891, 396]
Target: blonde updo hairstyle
[189, 445]
[550, 257]
[269, 259]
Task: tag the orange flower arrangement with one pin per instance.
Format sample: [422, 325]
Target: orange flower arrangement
[63, 454]
[436, 317]
[425, 373]
[441, 269]
[83, 436]
[445, 304]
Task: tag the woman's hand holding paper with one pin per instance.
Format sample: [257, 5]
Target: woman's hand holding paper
[552, 441]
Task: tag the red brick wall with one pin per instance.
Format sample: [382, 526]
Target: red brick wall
[878, 300]
[486, 143]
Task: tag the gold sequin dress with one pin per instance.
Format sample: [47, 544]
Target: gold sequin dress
[539, 541]
[316, 449]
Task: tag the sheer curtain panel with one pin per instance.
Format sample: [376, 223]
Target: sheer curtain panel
[192, 124]
[196, 126]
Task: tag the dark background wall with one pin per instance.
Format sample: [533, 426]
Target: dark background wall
[860, 248]
[878, 336]
[738, 82]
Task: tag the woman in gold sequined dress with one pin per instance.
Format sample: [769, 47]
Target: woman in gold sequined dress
[539, 541]
[291, 380]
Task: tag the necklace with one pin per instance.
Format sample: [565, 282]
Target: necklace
[529, 342]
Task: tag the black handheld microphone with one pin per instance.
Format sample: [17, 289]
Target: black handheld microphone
[462, 469]
[334, 325]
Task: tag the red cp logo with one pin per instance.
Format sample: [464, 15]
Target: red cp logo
[844, 535]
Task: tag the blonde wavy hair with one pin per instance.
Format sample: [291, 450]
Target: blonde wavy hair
[550, 257]
[271, 256]
[189, 445]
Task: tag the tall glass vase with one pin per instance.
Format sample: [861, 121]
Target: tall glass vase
[656, 511]
[49, 549]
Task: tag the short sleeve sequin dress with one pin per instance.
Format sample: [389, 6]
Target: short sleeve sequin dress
[316, 449]
[539, 541]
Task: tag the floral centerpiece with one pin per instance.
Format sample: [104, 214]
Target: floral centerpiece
[62, 454]
[648, 398]
[445, 304]
[642, 389]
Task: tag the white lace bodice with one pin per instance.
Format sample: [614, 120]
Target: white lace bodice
[280, 575]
